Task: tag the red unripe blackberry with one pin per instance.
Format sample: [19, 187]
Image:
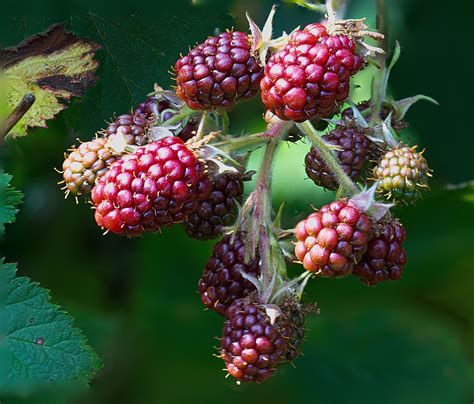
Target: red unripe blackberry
[162, 110]
[219, 209]
[385, 256]
[333, 239]
[218, 72]
[309, 77]
[85, 164]
[402, 174]
[251, 345]
[221, 282]
[133, 127]
[353, 152]
[156, 185]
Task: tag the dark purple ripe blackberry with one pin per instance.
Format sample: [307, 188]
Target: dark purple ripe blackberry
[353, 153]
[385, 256]
[218, 210]
[252, 346]
[295, 319]
[218, 72]
[133, 127]
[221, 282]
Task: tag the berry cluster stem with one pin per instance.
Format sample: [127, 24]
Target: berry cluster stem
[328, 157]
[260, 205]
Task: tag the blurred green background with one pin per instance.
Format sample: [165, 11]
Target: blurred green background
[136, 300]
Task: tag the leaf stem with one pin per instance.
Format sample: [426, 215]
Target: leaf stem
[328, 156]
[20, 110]
[185, 112]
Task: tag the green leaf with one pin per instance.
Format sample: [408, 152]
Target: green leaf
[53, 66]
[38, 343]
[9, 200]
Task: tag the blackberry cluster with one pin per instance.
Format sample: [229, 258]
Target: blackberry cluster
[332, 239]
[222, 282]
[218, 72]
[353, 150]
[219, 209]
[252, 346]
[309, 77]
[402, 174]
[84, 165]
[155, 186]
[385, 257]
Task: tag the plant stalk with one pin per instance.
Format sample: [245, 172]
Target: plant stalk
[329, 157]
[21, 109]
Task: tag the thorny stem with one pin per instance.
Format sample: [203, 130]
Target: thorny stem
[329, 157]
[21, 109]
[259, 204]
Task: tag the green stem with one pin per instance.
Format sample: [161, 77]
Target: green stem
[328, 157]
[185, 112]
[202, 126]
[261, 236]
[224, 118]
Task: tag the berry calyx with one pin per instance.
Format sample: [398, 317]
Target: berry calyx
[85, 165]
[218, 72]
[402, 174]
[385, 256]
[253, 344]
[333, 239]
[153, 187]
[222, 282]
[218, 210]
[352, 151]
[159, 110]
[309, 77]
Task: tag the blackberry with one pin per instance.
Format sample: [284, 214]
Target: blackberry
[133, 127]
[218, 210]
[402, 174]
[221, 282]
[333, 239]
[385, 257]
[353, 152]
[218, 72]
[155, 186]
[85, 164]
[252, 346]
[309, 77]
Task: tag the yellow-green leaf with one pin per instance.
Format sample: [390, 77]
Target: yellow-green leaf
[54, 66]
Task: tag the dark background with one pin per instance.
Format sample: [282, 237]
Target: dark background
[136, 300]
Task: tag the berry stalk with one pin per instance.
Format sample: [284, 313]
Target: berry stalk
[328, 156]
[259, 203]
